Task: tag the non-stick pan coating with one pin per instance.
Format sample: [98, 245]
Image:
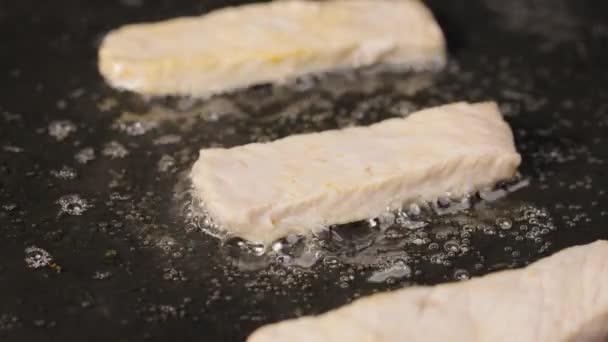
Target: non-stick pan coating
[132, 269]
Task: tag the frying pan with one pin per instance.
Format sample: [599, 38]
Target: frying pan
[102, 193]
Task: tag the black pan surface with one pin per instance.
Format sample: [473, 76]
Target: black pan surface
[94, 177]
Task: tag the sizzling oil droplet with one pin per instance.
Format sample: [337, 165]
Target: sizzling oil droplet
[258, 249]
[396, 271]
[330, 261]
[504, 223]
[36, 257]
[85, 155]
[61, 129]
[114, 150]
[451, 246]
[73, 205]
[414, 209]
[461, 275]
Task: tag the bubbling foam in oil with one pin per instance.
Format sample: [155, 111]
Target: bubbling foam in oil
[394, 242]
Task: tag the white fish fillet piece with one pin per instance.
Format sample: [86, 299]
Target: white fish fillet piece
[236, 47]
[560, 298]
[265, 191]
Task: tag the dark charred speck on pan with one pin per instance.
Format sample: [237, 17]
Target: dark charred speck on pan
[96, 239]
